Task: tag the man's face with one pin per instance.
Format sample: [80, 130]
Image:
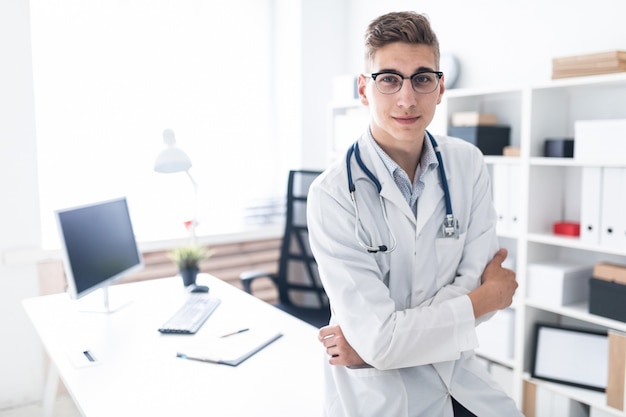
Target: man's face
[401, 118]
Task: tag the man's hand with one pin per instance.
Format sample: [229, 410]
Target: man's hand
[338, 348]
[497, 288]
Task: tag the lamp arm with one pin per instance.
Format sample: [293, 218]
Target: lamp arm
[194, 221]
[195, 185]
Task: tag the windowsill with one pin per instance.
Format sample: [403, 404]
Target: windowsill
[244, 233]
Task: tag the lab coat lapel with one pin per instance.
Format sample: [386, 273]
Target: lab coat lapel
[392, 193]
[428, 202]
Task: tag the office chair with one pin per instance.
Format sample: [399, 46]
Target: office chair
[300, 292]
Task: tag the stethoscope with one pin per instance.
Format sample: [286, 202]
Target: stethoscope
[450, 227]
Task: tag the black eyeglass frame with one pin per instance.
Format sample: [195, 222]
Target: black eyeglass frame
[439, 74]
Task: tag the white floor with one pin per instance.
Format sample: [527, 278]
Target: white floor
[63, 407]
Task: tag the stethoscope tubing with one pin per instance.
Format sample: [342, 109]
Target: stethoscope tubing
[450, 226]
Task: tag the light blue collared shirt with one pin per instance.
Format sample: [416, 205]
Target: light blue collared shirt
[410, 192]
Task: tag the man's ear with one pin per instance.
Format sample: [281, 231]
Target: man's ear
[362, 84]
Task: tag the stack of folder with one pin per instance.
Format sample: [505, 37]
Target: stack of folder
[591, 64]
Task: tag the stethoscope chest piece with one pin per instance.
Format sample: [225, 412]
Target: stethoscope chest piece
[450, 227]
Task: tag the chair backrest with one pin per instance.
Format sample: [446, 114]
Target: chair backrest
[298, 277]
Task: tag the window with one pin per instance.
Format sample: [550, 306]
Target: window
[110, 76]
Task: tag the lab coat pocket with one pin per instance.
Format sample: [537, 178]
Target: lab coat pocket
[449, 252]
[370, 392]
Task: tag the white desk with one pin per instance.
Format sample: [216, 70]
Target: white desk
[138, 373]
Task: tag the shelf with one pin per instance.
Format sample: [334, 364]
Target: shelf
[592, 398]
[502, 159]
[467, 92]
[539, 191]
[579, 311]
[589, 81]
[569, 162]
[572, 242]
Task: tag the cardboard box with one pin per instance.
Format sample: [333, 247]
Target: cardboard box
[616, 381]
[600, 141]
[606, 299]
[511, 151]
[591, 64]
[474, 118]
[558, 283]
[491, 140]
[610, 272]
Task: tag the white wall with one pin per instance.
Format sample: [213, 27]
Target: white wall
[502, 43]
[20, 353]
[499, 43]
[324, 44]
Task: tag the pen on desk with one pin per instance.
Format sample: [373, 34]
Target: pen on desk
[234, 333]
[193, 358]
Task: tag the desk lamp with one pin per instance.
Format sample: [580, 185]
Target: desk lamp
[173, 159]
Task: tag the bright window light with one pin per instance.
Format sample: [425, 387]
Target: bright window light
[110, 76]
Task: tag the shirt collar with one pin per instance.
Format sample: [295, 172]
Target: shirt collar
[428, 158]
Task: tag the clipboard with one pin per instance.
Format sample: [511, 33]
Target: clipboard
[231, 350]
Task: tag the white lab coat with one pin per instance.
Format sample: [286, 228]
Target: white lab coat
[406, 312]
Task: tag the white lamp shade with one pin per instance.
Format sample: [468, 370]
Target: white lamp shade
[171, 159]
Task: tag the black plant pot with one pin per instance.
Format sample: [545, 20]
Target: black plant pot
[189, 276]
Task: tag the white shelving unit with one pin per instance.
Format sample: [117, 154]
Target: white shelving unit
[550, 191]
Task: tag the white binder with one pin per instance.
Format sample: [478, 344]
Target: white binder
[621, 226]
[500, 183]
[611, 211]
[514, 195]
[591, 198]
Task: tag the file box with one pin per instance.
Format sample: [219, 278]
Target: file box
[491, 140]
[558, 283]
[600, 141]
[606, 299]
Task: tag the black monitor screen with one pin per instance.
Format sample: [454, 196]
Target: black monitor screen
[99, 245]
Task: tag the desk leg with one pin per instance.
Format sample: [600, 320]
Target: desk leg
[50, 391]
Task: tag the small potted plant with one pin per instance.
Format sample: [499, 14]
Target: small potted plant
[188, 259]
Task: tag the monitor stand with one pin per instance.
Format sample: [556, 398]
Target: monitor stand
[92, 303]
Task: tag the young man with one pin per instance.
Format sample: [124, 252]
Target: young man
[407, 290]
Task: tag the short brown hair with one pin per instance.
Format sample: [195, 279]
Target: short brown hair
[409, 27]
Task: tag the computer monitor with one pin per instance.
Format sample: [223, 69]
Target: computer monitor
[99, 246]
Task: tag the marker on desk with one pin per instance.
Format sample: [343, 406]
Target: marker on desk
[234, 333]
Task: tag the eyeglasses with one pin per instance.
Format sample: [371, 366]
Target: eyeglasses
[423, 82]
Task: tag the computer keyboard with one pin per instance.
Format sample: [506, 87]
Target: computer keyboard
[191, 315]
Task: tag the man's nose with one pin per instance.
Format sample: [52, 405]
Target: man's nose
[406, 95]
